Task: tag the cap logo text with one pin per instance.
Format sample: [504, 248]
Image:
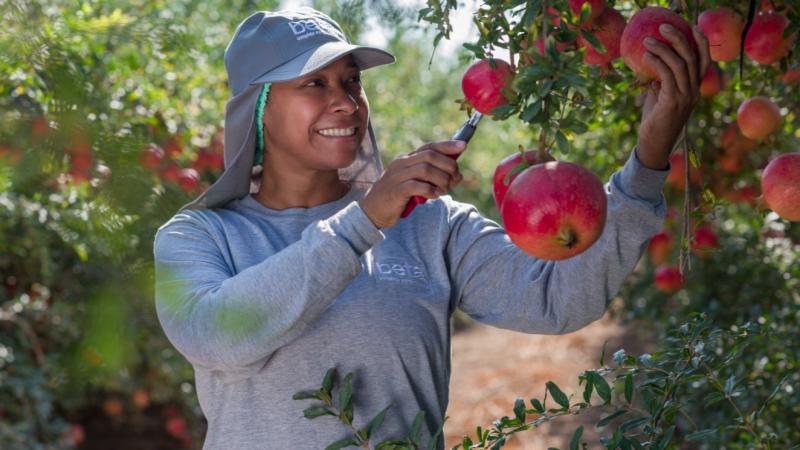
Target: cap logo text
[303, 29]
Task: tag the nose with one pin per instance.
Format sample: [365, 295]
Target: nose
[343, 100]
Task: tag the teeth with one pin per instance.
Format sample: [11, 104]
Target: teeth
[339, 132]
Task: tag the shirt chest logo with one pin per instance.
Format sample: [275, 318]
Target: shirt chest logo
[395, 269]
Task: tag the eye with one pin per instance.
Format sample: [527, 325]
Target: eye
[355, 79]
[314, 83]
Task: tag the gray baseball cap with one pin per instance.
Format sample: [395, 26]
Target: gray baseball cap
[284, 45]
[270, 47]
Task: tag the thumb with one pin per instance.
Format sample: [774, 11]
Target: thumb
[451, 147]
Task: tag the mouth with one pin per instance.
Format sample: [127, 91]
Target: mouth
[338, 132]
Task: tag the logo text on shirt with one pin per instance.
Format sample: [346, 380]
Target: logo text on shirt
[394, 269]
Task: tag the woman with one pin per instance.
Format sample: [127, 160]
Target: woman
[264, 287]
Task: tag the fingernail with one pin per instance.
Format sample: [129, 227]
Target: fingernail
[461, 144]
[665, 28]
[650, 41]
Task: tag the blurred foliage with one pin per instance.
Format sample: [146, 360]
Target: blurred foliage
[88, 88]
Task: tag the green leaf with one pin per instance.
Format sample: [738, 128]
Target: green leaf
[416, 427]
[466, 443]
[346, 392]
[607, 419]
[557, 395]
[633, 423]
[587, 390]
[317, 411]
[562, 142]
[394, 445]
[602, 387]
[701, 435]
[327, 382]
[531, 111]
[306, 395]
[346, 442]
[576, 439]
[713, 398]
[593, 41]
[435, 439]
[537, 405]
[519, 409]
[499, 444]
[629, 387]
[665, 439]
[374, 424]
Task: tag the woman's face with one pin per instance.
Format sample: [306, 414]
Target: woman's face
[317, 121]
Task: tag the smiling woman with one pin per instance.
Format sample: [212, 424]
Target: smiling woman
[264, 286]
[313, 126]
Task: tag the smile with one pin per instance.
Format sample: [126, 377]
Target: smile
[337, 132]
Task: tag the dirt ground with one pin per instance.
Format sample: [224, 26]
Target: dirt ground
[493, 367]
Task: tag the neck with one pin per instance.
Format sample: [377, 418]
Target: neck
[291, 190]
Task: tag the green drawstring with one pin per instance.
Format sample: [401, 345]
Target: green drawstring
[262, 102]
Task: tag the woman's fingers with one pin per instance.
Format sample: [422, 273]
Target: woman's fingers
[675, 64]
[702, 47]
[667, 79]
[429, 173]
[681, 46]
[432, 156]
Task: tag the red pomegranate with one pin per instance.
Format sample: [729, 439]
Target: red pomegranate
[765, 43]
[705, 240]
[791, 76]
[730, 162]
[483, 84]
[607, 28]
[645, 24]
[188, 179]
[151, 157]
[723, 29]
[499, 186]
[668, 279]
[677, 172]
[780, 184]
[758, 117]
[659, 247]
[732, 140]
[555, 210]
[712, 82]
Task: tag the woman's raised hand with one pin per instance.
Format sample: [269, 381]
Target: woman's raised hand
[428, 172]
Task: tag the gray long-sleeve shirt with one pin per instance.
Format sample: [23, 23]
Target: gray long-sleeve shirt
[262, 302]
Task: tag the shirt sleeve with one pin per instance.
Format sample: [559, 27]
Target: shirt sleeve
[498, 284]
[220, 320]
